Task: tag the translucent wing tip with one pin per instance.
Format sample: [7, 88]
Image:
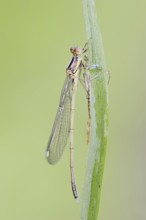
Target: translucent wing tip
[47, 154]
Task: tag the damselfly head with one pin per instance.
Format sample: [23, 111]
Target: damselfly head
[76, 51]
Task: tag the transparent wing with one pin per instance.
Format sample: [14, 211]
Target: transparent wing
[61, 127]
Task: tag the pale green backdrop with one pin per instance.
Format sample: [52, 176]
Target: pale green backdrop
[35, 37]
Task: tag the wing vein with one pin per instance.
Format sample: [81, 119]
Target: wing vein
[60, 131]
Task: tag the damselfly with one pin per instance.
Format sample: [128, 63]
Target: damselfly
[64, 122]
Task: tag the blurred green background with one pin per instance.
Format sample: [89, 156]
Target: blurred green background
[35, 37]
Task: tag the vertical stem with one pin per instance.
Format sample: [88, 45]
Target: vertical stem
[99, 113]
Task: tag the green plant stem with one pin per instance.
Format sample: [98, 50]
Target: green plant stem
[99, 111]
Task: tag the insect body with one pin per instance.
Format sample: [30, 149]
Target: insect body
[64, 122]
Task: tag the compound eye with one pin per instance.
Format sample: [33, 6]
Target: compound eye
[72, 49]
[78, 51]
